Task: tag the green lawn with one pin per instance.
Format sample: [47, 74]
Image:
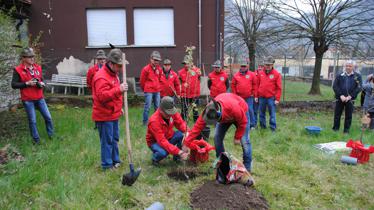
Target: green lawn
[289, 172]
[297, 91]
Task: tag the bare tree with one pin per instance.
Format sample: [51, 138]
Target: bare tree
[325, 24]
[245, 26]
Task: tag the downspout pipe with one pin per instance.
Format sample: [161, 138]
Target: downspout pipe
[217, 29]
[199, 34]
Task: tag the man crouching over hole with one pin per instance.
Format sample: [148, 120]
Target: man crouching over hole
[161, 138]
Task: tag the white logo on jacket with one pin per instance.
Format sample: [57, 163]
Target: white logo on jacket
[247, 76]
[271, 76]
[222, 78]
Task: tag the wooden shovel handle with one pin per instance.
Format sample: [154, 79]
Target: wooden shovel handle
[126, 109]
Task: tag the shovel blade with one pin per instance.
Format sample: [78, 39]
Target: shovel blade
[130, 178]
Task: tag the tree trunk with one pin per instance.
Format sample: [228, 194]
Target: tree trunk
[315, 89]
[252, 56]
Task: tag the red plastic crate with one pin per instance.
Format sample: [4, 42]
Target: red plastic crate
[359, 151]
[200, 151]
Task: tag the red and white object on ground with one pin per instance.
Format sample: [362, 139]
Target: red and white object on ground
[200, 151]
[359, 151]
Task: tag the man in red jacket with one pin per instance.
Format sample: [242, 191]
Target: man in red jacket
[161, 138]
[223, 111]
[269, 92]
[107, 107]
[244, 84]
[28, 77]
[150, 83]
[169, 81]
[190, 88]
[100, 59]
[218, 81]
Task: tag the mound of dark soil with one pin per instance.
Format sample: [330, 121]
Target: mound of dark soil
[212, 195]
[186, 174]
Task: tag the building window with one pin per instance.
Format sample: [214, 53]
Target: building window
[154, 27]
[106, 26]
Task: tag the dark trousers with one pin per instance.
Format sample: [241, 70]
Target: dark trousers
[371, 126]
[339, 107]
[186, 104]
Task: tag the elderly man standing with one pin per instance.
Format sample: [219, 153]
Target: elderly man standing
[107, 107]
[169, 81]
[269, 92]
[150, 83]
[100, 60]
[346, 87]
[28, 77]
[218, 81]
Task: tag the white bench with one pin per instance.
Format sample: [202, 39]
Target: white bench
[68, 81]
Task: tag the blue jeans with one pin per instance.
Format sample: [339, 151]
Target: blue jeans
[220, 132]
[149, 97]
[160, 153]
[109, 136]
[250, 113]
[270, 104]
[41, 105]
[255, 114]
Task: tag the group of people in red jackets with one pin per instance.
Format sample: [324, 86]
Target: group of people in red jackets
[251, 92]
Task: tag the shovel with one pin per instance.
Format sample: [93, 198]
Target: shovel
[128, 178]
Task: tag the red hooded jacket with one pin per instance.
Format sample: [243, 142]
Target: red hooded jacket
[90, 75]
[160, 132]
[107, 96]
[218, 83]
[190, 82]
[170, 84]
[244, 85]
[269, 85]
[233, 109]
[32, 92]
[150, 79]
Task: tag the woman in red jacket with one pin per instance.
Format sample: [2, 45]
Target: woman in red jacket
[28, 77]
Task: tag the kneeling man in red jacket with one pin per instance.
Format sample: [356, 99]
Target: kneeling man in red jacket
[161, 138]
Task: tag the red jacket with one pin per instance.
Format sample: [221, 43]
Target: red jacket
[160, 132]
[244, 85]
[190, 82]
[233, 111]
[107, 96]
[150, 79]
[32, 92]
[269, 85]
[218, 83]
[170, 85]
[90, 74]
